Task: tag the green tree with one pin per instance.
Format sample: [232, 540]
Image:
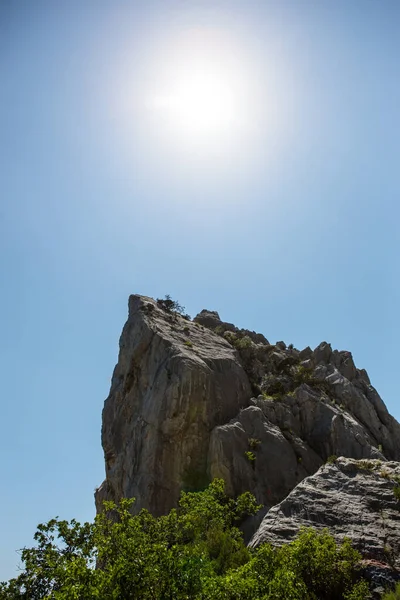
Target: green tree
[196, 552]
[138, 556]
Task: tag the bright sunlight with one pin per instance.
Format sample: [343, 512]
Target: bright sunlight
[201, 93]
[200, 104]
[202, 96]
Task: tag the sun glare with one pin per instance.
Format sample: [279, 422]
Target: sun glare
[200, 104]
[200, 96]
[200, 90]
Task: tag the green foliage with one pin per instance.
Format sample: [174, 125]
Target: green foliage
[253, 443]
[394, 595]
[396, 492]
[243, 342]
[331, 459]
[138, 556]
[274, 397]
[219, 330]
[360, 591]
[366, 465]
[188, 343]
[172, 306]
[196, 552]
[313, 567]
[303, 375]
[251, 457]
[230, 337]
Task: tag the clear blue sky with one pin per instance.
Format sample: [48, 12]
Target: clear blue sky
[291, 228]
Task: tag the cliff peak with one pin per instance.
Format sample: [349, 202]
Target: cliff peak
[194, 400]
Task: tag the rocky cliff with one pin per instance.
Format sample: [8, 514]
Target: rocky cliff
[194, 400]
[359, 499]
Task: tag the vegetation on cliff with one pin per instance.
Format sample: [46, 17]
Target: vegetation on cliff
[194, 552]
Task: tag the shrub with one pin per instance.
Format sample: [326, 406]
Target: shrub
[243, 343]
[254, 443]
[251, 457]
[367, 465]
[331, 459]
[303, 375]
[275, 397]
[360, 591]
[188, 343]
[219, 330]
[172, 306]
[230, 337]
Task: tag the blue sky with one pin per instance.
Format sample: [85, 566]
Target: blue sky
[290, 228]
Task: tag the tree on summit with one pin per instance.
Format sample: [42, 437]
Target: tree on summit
[172, 306]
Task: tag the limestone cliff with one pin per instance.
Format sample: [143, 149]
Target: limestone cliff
[194, 400]
[355, 499]
[175, 381]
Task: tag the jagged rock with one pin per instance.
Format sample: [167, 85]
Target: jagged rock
[353, 499]
[306, 353]
[174, 382]
[211, 320]
[322, 353]
[208, 318]
[190, 401]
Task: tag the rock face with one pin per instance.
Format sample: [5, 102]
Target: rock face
[355, 499]
[194, 400]
[175, 381]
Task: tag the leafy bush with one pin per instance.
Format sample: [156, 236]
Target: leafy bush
[219, 330]
[251, 457]
[254, 443]
[196, 552]
[172, 306]
[243, 343]
[303, 375]
[396, 492]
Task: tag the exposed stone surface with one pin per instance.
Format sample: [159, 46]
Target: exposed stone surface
[193, 400]
[353, 499]
[314, 404]
[174, 382]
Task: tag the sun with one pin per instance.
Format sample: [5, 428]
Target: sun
[200, 104]
[200, 97]
[199, 91]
